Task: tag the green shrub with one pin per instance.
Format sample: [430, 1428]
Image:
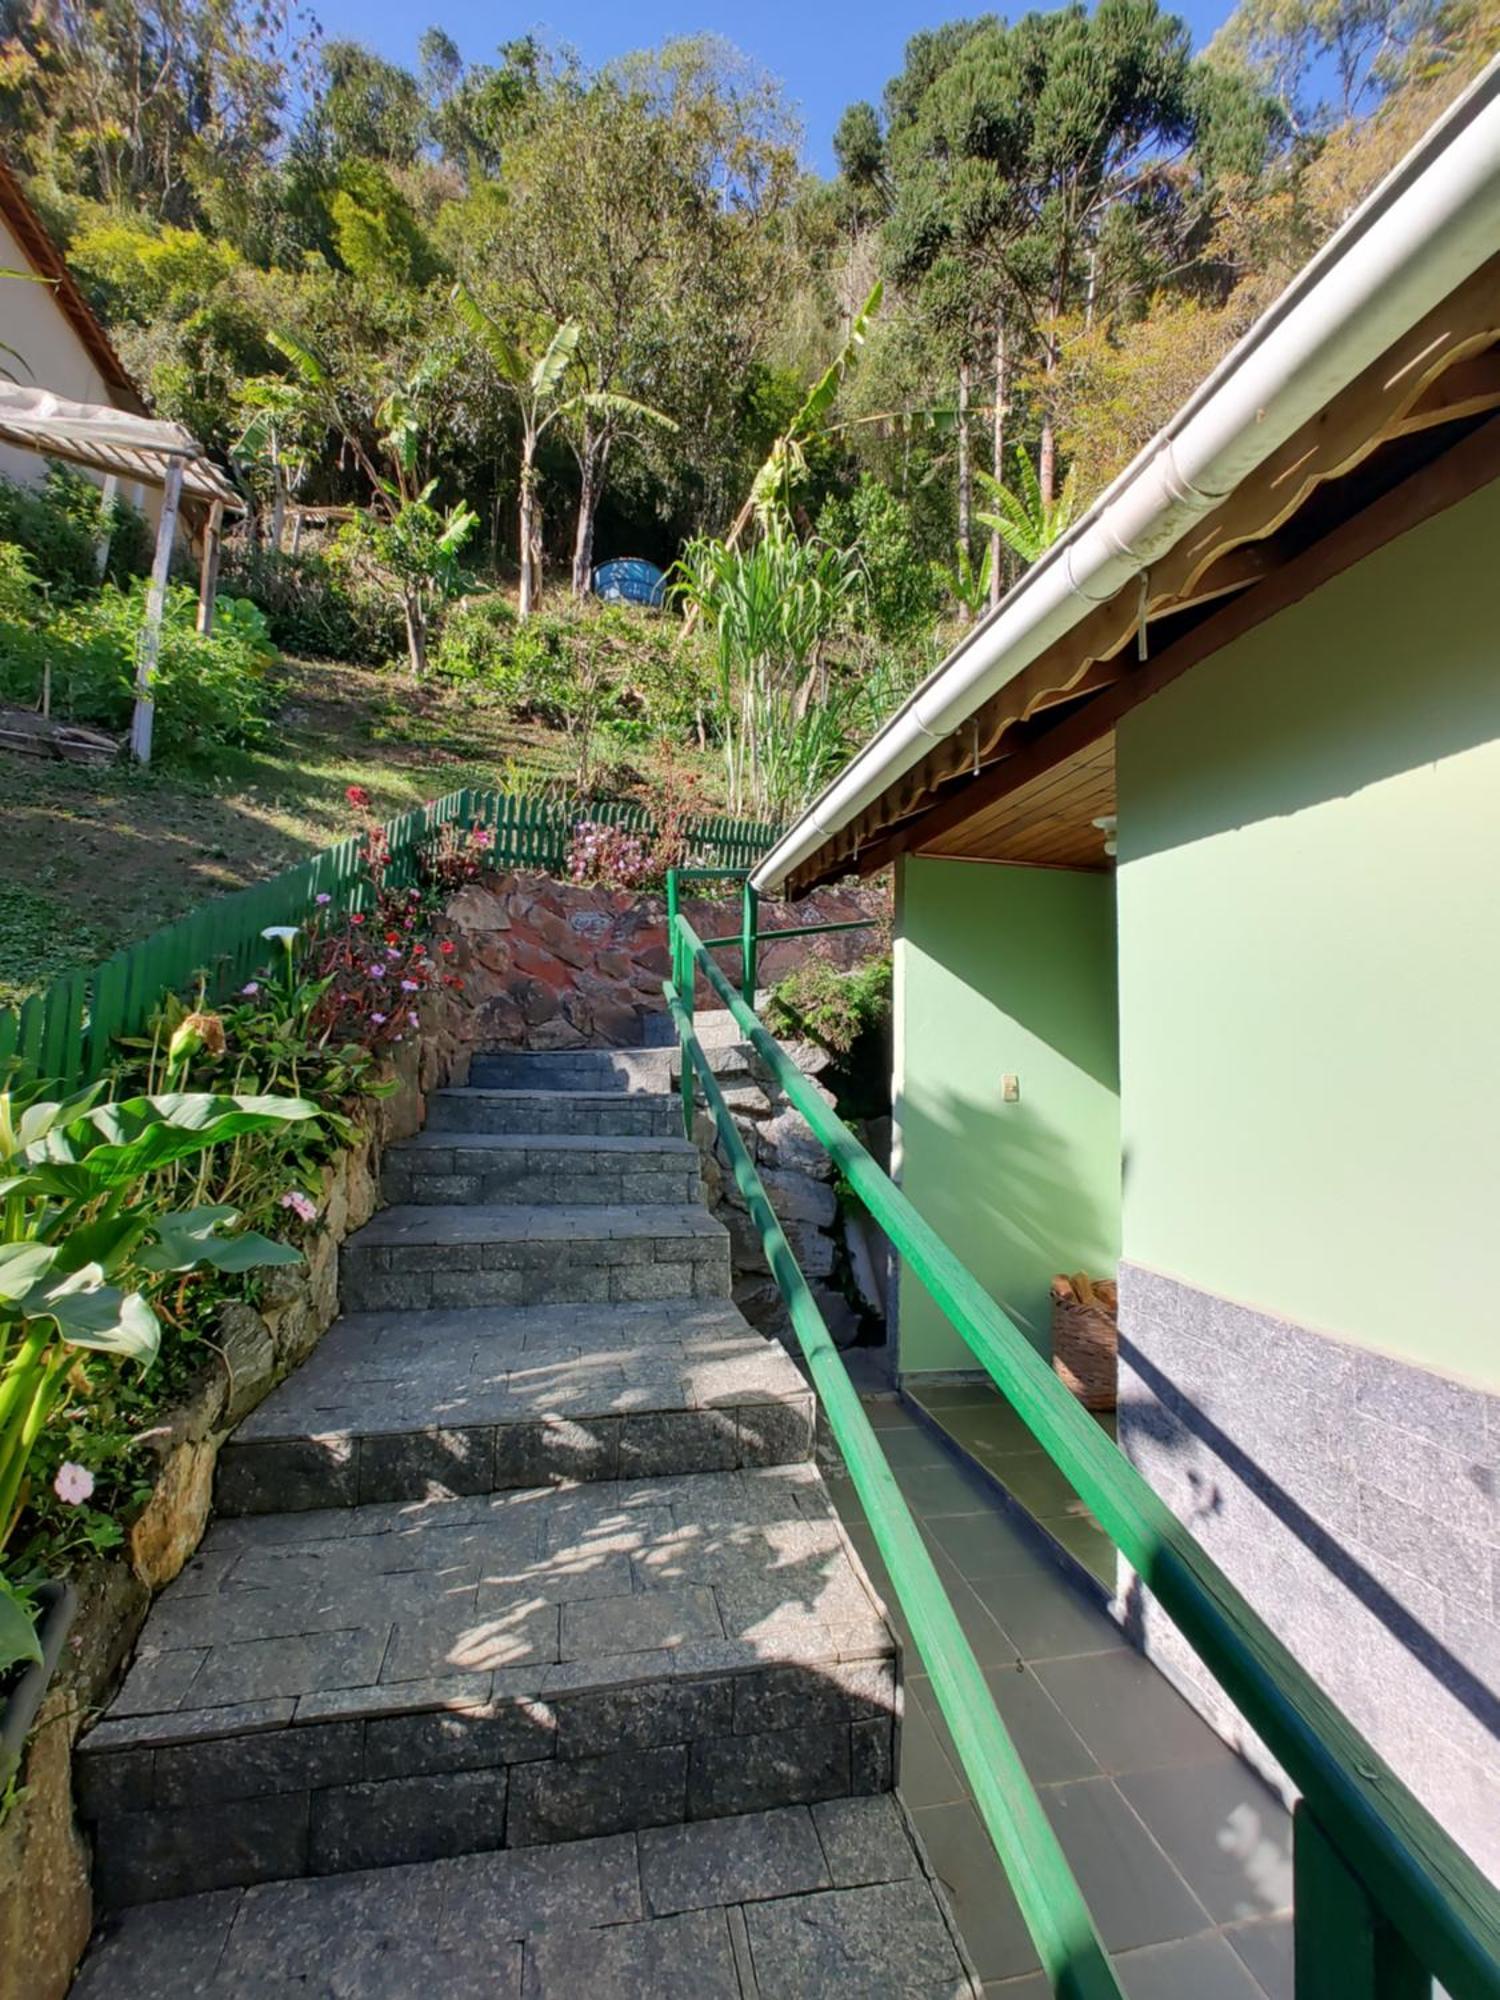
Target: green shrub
[607, 667]
[317, 611]
[901, 595]
[58, 547]
[208, 690]
[820, 1003]
[132, 540]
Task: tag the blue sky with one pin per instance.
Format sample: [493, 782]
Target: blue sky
[827, 55]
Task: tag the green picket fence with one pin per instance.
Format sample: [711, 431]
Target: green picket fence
[66, 1033]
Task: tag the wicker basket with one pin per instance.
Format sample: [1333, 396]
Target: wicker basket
[1085, 1339]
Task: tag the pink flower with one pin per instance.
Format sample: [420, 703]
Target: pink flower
[412, 1018]
[377, 1019]
[323, 898]
[73, 1483]
[300, 1204]
[375, 969]
[408, 986]
[251, 989]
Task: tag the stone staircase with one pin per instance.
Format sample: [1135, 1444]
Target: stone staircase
[529, 1563]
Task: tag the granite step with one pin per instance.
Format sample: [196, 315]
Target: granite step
[804, 1902]
[625, 1072]
[502, 1167]
[379, 1686]
[427, 1257]
[605, 1113]
[416, 1405]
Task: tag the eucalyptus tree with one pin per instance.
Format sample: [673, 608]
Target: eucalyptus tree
[634, 207]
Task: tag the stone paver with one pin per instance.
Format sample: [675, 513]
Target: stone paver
[395, 1405]
[626, 1653]
[418, 1256]
[744, 1907]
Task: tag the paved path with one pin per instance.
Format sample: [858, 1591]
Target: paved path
[527, 1654]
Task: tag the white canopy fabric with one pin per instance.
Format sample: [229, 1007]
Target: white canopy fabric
[111, 441]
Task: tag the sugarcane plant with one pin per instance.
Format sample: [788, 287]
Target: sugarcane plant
[85, 1235]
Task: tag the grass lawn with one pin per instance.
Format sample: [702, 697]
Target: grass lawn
[95, 859]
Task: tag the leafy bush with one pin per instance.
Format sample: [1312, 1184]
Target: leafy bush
[208, 690]
[315, 609]
[901, 598]
[58, 546]
[131, 539]
[820, 1003]
[585, 667]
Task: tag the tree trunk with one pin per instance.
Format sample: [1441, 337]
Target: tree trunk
[278, 513]
[592, 455]
[526, 600]
[416, 633]
[965, 462]
[997, 452]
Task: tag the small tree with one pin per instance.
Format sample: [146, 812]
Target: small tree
[415, 552]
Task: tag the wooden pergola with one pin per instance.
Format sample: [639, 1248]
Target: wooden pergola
[118, 444]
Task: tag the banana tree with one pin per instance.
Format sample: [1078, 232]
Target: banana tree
[83, 1235]
[1025, 520]
[543, 392]
[274, 441]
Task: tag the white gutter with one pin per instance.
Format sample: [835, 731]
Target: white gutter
[1428, 226]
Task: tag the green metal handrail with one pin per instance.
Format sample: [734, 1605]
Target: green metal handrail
[1049, 1897]
[67, 1033]
[1385, 1897]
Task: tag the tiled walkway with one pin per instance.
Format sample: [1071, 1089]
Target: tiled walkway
[1182, 1853]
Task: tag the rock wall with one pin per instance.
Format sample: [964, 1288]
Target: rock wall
[550, 965]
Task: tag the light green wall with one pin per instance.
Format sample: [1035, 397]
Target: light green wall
[1005, 970]
[1309, 910]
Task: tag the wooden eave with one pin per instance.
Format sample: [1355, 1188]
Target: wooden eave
[1025, 776]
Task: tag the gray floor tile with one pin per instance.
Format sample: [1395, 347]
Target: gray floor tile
[963, 1858]
[1050, 1748]
[1047, 1616]
[1267, 1948]
[1196, 1968]
[1135, 1894]
[987, 1544]
[935, 1490]
[926, 1777]
[1129, 1715]
[1229, 1835]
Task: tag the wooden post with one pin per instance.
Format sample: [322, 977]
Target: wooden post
[149, 649]
[208, 581]
[106, 524]
[1343, 1947]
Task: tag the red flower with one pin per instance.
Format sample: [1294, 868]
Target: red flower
[358, 796]
[446, 947]
[393, 937]
[356, 918]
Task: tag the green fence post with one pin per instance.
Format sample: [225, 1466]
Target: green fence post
[1343, 1947]
[749, 916]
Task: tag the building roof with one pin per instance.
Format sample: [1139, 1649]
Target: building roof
[1377, 362]
[111, 441]
[48, 262]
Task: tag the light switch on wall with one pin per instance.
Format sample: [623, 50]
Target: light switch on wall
[1010, 1089]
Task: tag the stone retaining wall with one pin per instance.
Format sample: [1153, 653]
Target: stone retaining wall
[551, 965]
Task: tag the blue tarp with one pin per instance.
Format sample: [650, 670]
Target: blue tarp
[629, 580]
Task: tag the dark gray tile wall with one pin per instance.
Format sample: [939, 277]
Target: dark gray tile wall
[1355, 1500]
